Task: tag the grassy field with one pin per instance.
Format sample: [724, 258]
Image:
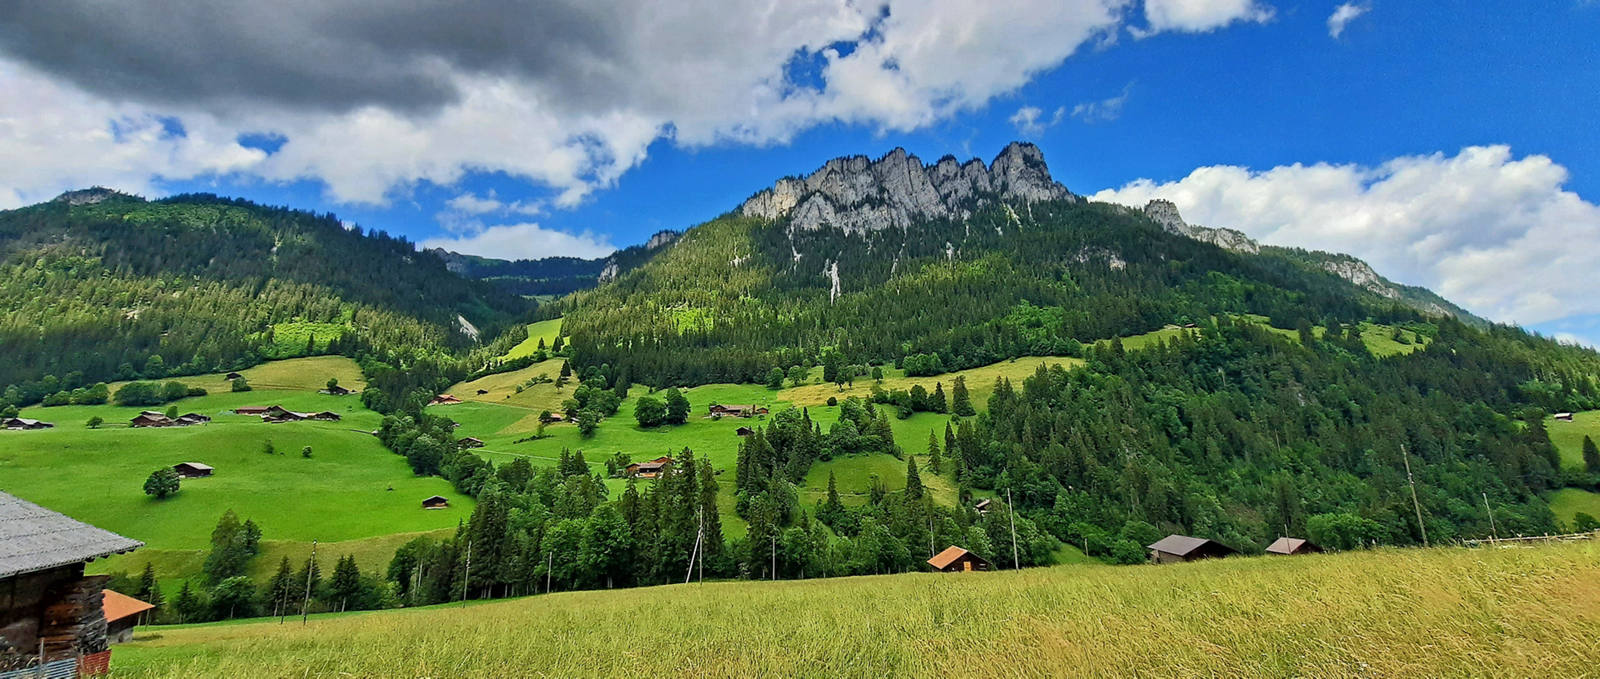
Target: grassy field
[1568, 436]
[1567, 502]
[1512, 612]
[980, 381]
[295, 374]
[543, 330]
[351, 490]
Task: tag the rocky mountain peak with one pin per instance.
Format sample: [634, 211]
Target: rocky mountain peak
[856, 194]
[89, 196]
[1165, 214]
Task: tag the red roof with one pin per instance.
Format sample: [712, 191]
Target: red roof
[119, 606]
[947, 557]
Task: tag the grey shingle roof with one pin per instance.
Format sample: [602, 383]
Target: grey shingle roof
[1177, 544]
[33, 538]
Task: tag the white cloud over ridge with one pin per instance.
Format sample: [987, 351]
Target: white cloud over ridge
[372, 99]
[524, 241]
[1497, 234]
[1342, 16]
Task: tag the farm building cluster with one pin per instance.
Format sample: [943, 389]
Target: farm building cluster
[722, 410]
[54, 619]
[275, 414]
[151, 418]
[648, 470]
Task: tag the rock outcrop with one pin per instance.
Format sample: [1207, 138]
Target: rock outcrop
[855, 194]
[1163, 212]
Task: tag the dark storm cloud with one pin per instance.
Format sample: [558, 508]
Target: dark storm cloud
[330, 55]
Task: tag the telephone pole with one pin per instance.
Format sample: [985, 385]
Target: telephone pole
[1404, 455]
[1492, 530]
[466, 577]
[311, 563]
[1011, 513]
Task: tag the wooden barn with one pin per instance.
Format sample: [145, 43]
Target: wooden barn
[336, 390]
[1179, 548]
[443, 400]
[51, 620]
[1564, 417]
[150, 418]
[255, 410]
[649, 470]
[436, 502]
[983, 506]
[232, 376]
[744, 431]
[743, 410]
[123, 613]
[192, 470]
[957, 560]
[23, 424]
[187, 419]
[1287, 546]
[470, 442]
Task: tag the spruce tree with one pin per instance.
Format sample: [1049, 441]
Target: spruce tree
[960, 400]
[936, 402]
[149, 588]
[1591, 456]
[933, 452]
[189, 606]
[913, 480]
[345, 586]
[280, 589]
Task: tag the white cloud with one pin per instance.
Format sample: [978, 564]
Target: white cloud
[1200, 16]
[525, 241]
[1342, 16]
[1498, 234]
[473, 204]
[1030, 120]
[570, 117]
[1105, 110]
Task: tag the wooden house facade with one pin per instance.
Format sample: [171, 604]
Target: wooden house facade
[735, 410]
[192, 470]
[957, 560]
[1180, 548]
[436, 502]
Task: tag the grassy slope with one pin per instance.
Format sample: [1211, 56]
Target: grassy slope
[340, 494]
[1567, 502]
[1440, 612]
[1568, 436]
[543, 330]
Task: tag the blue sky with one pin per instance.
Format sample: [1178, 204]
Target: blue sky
[1453, 145]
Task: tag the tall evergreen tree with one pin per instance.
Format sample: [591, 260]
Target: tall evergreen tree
[960, 401]
[1591, 456]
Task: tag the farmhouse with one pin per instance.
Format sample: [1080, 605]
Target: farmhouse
[470, 442]
[150, 418]
[1178, 548]
[649, 470]
[1287, 546]
[192, 470]
[187, 419]
[336, 390]
[957, 560]
[255, 410]
[718, 410]
[232, 376]
[1564, 417]
[551, 418]
[123, 612]
[744, 431]
[436, 502]
[443, 400]
[22, 423]
[47, 604]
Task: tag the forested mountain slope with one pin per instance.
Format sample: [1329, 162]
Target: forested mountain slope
[98, 285]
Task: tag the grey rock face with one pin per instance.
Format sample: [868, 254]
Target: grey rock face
[857, 195]
[1163, 212]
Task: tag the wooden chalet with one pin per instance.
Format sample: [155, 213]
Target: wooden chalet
[282, 415]
[51, 615]
[1564, 417]
[436, 502]
[552, 418]
[256, 410]
[957, 560]
[983, 506]
[443, 400]
[743, 410]
[1289, 546]
[24, 424]
[1179, 548]
[470, 442]
[151, 418]
[744, 431]
[192, 470]
[649, 470]
[187, 419]
[123, 613]
[336, 390]
[232, 376]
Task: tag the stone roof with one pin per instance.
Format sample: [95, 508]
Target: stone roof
[33, 538]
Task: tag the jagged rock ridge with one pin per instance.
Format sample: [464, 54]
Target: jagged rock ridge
[1163, 212]
[855, 194]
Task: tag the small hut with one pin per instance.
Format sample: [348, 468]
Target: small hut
[436, 502]
[648, 470]
[957, 560]
[443, 400]
[336, 390]
[1564, 417]
[1289, 546]
[23, 423]
[470, 442]
[192, 470]
[123, 613]
[48, 606]
[983, 506]
[1179, 548]
[744, 431]
[232, 376]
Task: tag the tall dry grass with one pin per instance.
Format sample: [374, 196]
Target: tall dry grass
[1391, 613]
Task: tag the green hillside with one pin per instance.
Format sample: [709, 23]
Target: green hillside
[1438, 612]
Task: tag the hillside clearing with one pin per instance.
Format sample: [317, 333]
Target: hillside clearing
[543, 330]
[1567, 503]
[1450, 611]
[1568, 436]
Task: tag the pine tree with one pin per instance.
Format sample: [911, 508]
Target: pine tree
[960, 400]
[281, 588]
[1591, 456]
[708, 507]
[936, 402]
[189, 606]
[149, 588]
[833, 506]
[933, 452]
[913, 480]
[345, 585]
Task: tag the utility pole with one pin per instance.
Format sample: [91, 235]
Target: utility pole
[1492, 530]
[1414, 502]
[1011, 513]
[466, 577]
[693, 552]
[700, 538]
[305, 603]
[549, 563]
[774, 555]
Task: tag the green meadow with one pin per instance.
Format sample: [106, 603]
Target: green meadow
[543, 330]
[1568, 436]
[1506, 612]
[1567, 503]
[351, 491]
